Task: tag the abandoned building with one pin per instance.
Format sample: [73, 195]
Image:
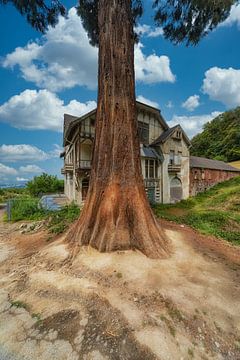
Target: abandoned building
[170, 173]
[205, 173]
[164, 156]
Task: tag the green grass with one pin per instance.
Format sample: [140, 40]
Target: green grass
[59, 221]
[214, 212]
[27, 208]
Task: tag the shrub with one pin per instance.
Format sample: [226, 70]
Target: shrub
[45, 184]
[60, 220]
[26, 208]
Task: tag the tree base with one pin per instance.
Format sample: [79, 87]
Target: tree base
[115, 220]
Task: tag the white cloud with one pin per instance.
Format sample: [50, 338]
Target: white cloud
[40, 110]
[63, 58]
[153, 68]
[223, 85]
[20, 179]
[34, 169]
[148, 31]
[23, 152]
[169, 104]
[192, 125]
[233, 18]
[147, 101]
[191, 103]
[6, 171]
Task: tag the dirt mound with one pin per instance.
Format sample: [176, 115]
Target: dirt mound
[120, 305]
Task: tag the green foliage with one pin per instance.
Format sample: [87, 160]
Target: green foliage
[39, 13]
[220, 139]
[26, 208]
[181, 20]
[45, 184]
[189, 20]
[214, 212]
[10, 193]
[59, 221]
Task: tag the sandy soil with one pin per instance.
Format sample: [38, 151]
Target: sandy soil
[120, 305]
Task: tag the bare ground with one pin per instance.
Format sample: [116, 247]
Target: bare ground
[119, 305]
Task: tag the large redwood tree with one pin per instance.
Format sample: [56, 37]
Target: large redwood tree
[117, 214]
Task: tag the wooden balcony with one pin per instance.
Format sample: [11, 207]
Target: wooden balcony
[66, 168]
[87, 134]
[83, 165]
[175, 168]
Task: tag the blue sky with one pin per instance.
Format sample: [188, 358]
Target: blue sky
[43, 76]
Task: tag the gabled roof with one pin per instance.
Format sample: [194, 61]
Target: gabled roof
[166, 134]
[203, 163]
[71, 121]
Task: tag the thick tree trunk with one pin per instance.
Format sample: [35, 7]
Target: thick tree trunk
[117, 214]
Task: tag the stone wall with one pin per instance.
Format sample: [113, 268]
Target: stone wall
[203, 179]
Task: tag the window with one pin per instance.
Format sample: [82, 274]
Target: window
[143, 132]
[179, 159]
[151, 169]
[171, 157]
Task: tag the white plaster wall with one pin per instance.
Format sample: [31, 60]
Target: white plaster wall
[165, 180]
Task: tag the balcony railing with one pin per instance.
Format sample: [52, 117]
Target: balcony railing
[174, 167]
[84, 164]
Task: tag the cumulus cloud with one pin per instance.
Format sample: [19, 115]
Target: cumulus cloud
[147, 101]
[6, 171]
[223, 85]
[40, 110]
[148, 31]
[153, 68]
[63, 58]
[33, 169]
[23, 152]
[233, 18]
[191, 103]
[192, 125]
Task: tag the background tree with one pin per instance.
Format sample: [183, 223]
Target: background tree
[39, 13]
[220, 138]
[117, 214]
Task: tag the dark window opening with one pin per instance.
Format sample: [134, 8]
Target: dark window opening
[143, 132]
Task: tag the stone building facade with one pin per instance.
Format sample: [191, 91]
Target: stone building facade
[164, 156]
[205, 173]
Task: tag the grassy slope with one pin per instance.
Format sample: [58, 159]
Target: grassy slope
[236, 164]
[215, 212]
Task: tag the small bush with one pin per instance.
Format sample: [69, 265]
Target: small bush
[26, 208]
[45, 184]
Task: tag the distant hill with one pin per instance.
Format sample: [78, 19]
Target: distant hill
[220, 139]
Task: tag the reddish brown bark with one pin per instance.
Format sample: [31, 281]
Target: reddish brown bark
[117, 215]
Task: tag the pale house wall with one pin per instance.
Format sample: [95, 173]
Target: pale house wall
[82, 151]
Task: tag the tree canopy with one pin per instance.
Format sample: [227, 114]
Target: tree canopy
[220, 139]
[181, 20]
[39, 13]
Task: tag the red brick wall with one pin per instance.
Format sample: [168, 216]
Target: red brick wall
[202, 179]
